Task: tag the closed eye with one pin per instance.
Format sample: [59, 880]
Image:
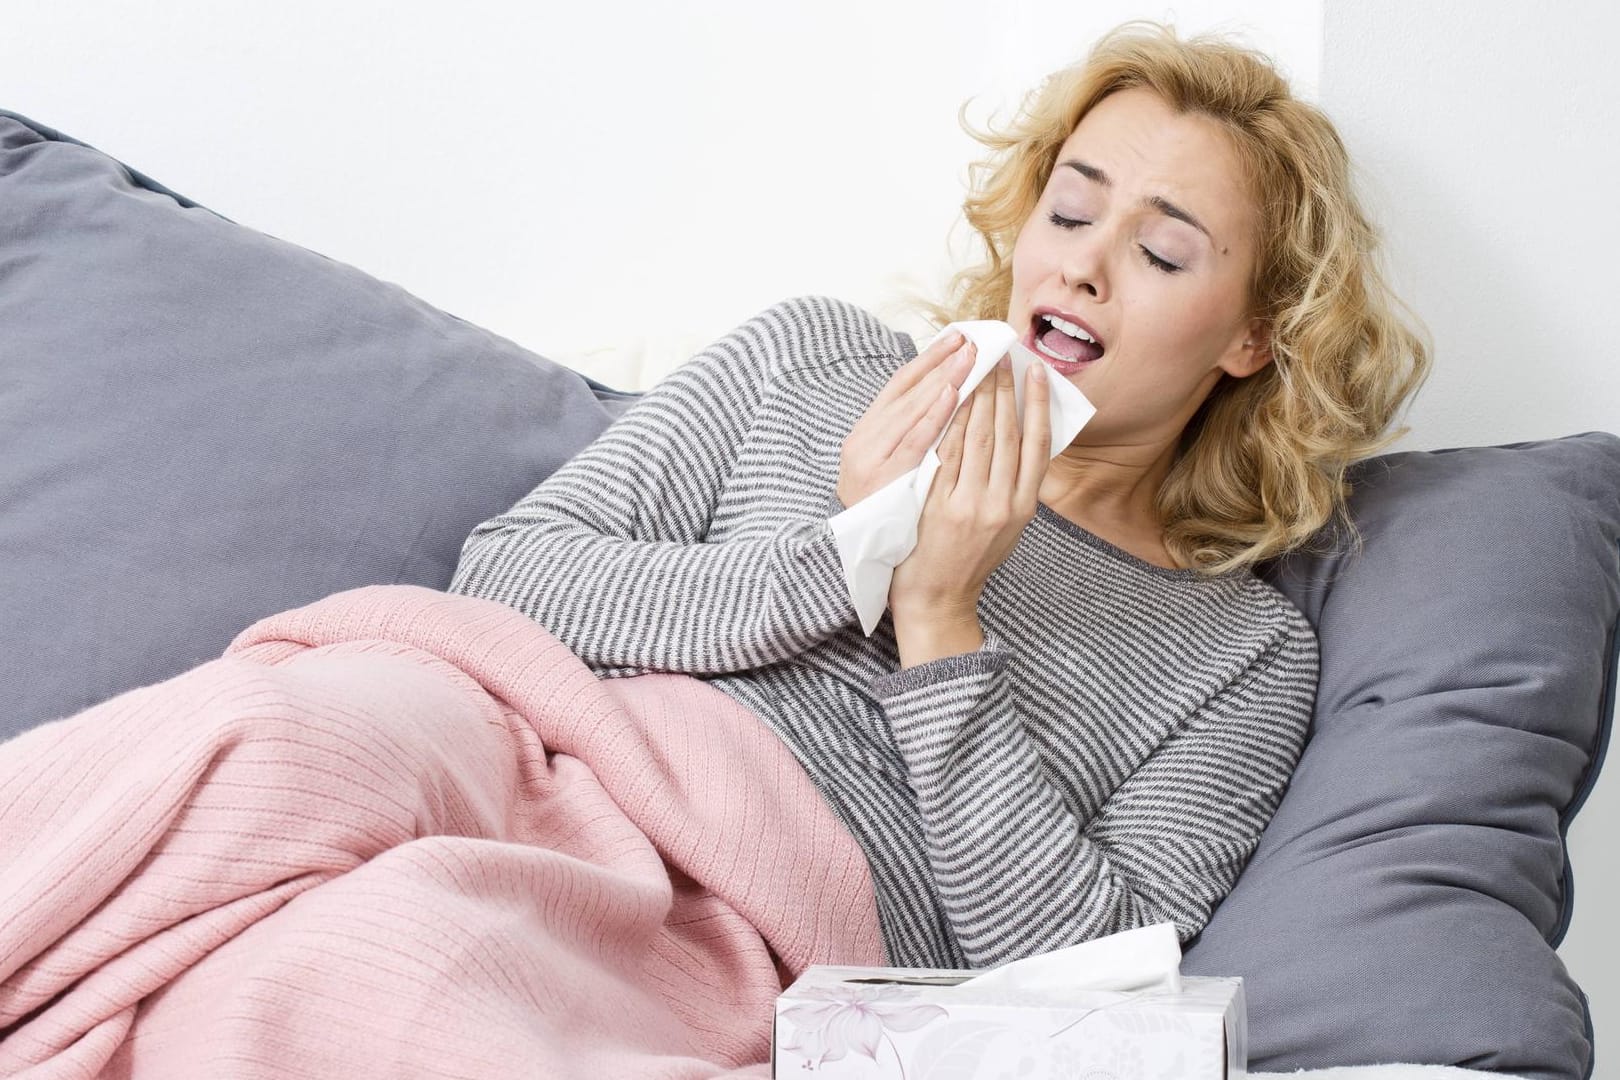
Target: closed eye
[1070, 223]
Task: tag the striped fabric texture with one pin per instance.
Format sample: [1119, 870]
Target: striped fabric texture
[1108, 758]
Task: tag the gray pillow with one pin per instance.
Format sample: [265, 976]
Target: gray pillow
[201, 425]
[1407, 898]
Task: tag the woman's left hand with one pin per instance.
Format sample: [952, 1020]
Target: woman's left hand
[982, 496]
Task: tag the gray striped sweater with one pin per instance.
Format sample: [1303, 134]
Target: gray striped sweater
[1106, 760]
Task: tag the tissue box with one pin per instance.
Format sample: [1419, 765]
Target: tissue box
[871, 1022]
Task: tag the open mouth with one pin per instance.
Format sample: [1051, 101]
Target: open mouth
[1064, 346]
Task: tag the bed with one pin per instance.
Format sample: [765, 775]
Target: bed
[204, 425]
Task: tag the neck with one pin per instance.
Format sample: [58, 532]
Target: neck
[1110, 490]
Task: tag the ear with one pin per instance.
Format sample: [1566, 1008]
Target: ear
[1250, 354]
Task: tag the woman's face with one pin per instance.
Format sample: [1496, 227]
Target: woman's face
[1165, 298]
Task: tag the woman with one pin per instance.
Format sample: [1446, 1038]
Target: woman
[1084, 706]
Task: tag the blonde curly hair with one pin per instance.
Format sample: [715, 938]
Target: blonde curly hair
[1260, 467]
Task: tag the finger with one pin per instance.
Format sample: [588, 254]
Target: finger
[943, 383]
[978, 442]
[918, 367]
[1004, 464]
[950, 449]
[1035, 455]
[924, 433]
[910, 420]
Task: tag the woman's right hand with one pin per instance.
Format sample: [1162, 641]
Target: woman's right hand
[903, 421]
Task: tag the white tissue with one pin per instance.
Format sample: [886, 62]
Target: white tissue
[876, 534]
[1129, 960]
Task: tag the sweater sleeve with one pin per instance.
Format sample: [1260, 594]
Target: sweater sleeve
[608, 552]
[1019, 873]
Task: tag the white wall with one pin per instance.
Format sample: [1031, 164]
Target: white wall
[1489, 137]
[637, 178]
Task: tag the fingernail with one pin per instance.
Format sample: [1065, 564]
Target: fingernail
[1040, 372]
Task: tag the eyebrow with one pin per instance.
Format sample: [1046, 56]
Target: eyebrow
[1158, 202]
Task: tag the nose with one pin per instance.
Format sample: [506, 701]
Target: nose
[1083, 263]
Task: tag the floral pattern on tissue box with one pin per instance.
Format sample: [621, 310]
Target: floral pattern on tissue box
[833, 1021]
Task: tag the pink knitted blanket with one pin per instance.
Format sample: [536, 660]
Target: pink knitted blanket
[400, 832]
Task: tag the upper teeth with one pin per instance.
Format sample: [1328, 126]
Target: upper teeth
[1068, 328]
